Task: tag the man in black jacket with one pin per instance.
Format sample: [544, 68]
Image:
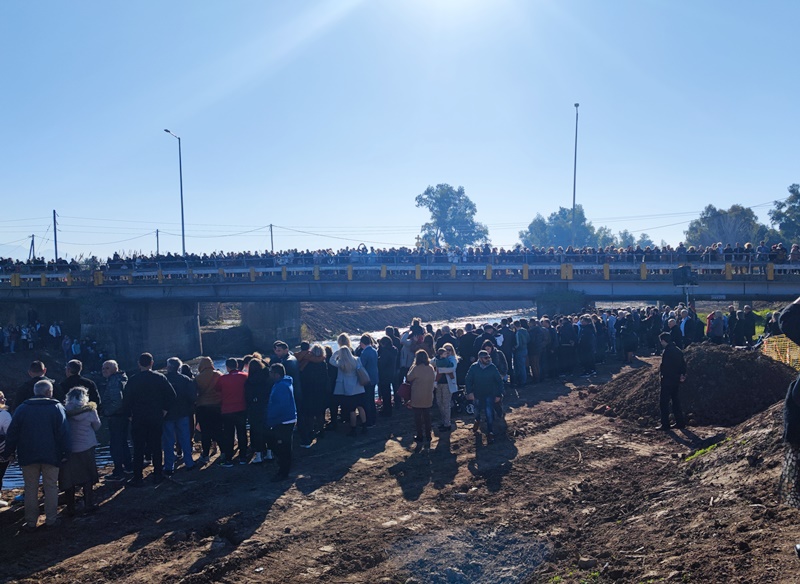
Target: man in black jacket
[36, 372]
[74, 379]
[148, 397]
[673, 372]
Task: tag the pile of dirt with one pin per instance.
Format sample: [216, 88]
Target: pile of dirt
[723, 387]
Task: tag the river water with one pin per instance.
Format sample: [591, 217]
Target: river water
[13, 476]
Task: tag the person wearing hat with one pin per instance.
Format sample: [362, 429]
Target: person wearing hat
[484, 386]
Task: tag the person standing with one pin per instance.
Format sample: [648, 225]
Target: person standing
[116, 420]
[387, 373]
[369, 361]
[208, 406]
[348, 390]
[80, 468]
[177, 427]
[37, 372]
[74, 379]
[256, 395]
[315, 397]
[789, 485]
[422, 378]
[5, 459]
[485, 386]
[281, 417]
[446, 363]
[234, 413]
[39, 436]
[672, 372]
[148, 397]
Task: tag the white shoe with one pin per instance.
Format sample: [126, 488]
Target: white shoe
[268, 455]
[3, 503]
[256, 458]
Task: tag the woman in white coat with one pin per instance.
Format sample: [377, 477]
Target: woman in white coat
[348, 391]
[446, 384]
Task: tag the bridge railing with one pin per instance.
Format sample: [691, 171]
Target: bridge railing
[253, 270]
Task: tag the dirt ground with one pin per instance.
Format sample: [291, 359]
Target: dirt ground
[567, 495]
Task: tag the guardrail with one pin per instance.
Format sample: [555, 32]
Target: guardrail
[168, 274]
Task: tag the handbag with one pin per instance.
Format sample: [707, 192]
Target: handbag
[363, 376]
[404, 391]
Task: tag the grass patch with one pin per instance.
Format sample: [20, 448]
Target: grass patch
[706, 450]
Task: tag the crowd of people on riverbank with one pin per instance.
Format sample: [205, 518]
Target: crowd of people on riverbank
[253, 412]
[747, 253]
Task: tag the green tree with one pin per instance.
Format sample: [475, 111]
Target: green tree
[644, 240]
[604, 237]
[625, 238]
[452, 217]
[557, 230]
[737, 224]
[786, 215]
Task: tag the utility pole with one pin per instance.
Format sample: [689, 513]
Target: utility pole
[55, 235]
[158, 253]
[32, 250]
[575, 173]
[271, 241]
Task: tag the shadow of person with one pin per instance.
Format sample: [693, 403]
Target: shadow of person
[331, 458]
[413, 474]
[493, 462]
[445, 463]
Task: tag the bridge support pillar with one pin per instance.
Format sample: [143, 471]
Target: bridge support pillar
[272, 321]
[125, 330]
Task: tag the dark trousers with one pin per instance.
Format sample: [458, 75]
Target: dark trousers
[669, 392]
[146, 440]
[422, 419]
[400, 377]
[118, 443]
[385, 391]
[258, 431]
[235, 423]
[280, 442]
[210, 420]
[369, 404]
[310, 423]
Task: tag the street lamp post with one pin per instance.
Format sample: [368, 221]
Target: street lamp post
[575, 173]
[180, 173]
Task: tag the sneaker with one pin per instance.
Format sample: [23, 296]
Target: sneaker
[268, 455]
[242, 460]
[226, 464]
[256, 459]
[305, 446]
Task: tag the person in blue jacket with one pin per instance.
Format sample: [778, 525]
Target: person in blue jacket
[39, 436]
[281, 418]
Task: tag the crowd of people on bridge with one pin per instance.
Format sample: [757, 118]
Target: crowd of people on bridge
[747, 253]
[261, 405]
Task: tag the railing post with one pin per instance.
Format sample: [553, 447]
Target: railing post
[728, 271]
[606, 271]
[643, 271]
[488, 271]
[770, 271]
[525, 271]
[418, 271]
[316, 272]
[284, 273]
[453, 271]
[252, 274]
[69, 279]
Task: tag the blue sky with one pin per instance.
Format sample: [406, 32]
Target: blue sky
[326, 118]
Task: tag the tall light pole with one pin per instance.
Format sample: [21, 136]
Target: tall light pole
[575, 173]
[180, 172]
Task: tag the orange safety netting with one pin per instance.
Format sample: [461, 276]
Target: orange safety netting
[780, 348]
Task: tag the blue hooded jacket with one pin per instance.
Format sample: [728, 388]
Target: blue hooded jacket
[281, 408]
[39, 432]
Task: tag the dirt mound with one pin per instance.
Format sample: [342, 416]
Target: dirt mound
[723, 387]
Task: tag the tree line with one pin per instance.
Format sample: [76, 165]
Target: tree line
[453, 224]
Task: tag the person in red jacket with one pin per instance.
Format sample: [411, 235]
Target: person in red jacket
[234, 413]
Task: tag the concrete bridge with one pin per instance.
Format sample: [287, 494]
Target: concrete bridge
[156, 308]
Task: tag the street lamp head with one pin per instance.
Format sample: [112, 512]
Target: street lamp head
[167, 131]
[576, 105]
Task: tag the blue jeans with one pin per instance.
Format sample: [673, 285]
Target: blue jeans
[485, 405]
[118, 443]
[520, 367]
[176, 431]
